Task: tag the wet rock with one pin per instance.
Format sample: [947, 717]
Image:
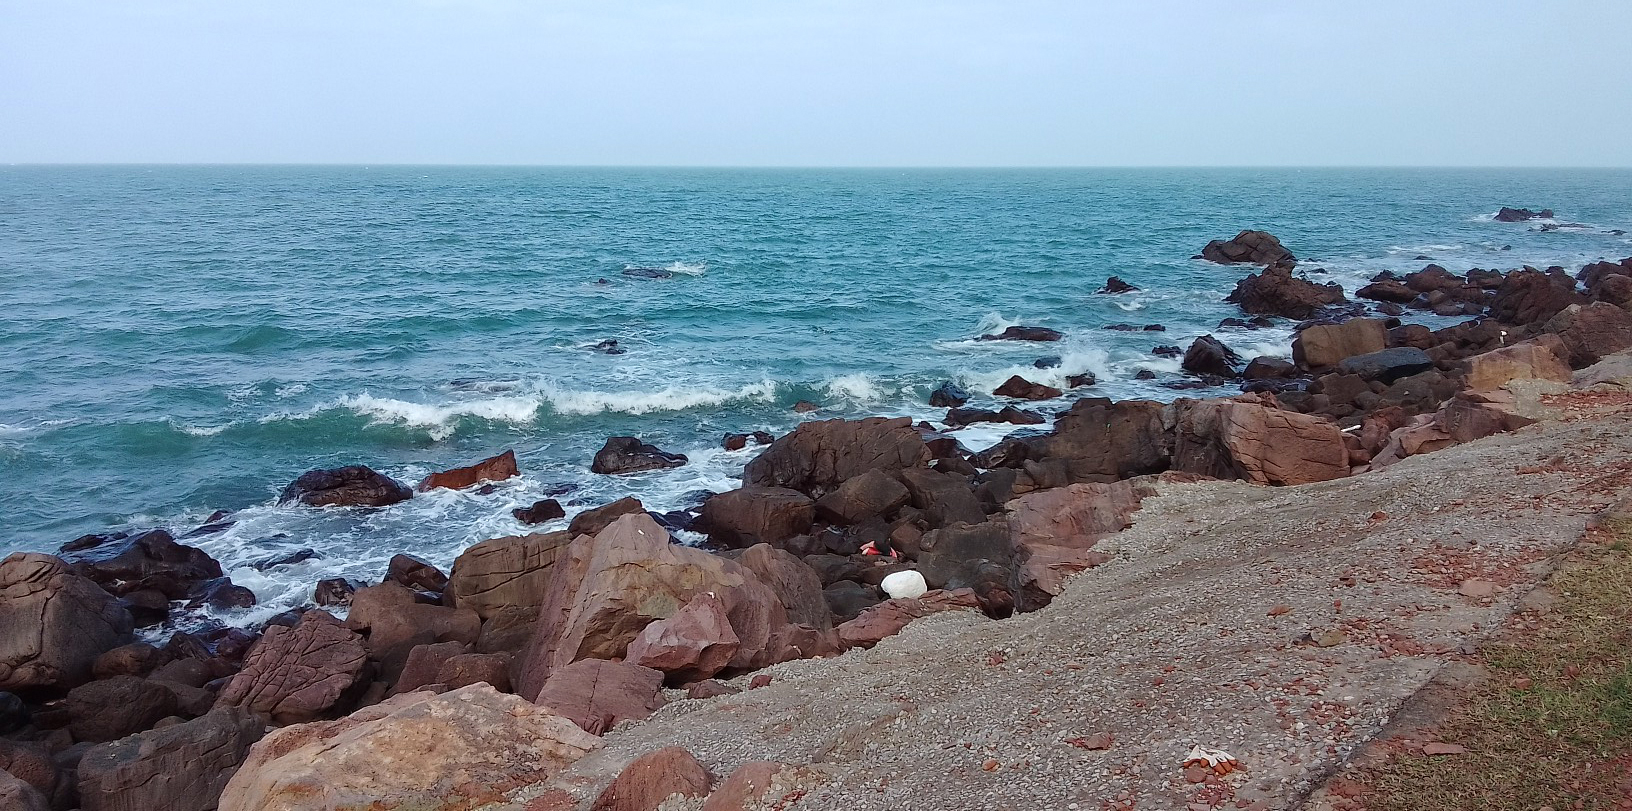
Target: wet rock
[494, 469]
[626, 454]
[1522, 214]
[1115, 285]
[1387, 365]
[353, 486]
[752, 514]
[415, 574]
[959, 417]
[297, 556]
[1389, 290]
[1049, 362]
[948, 395]
[590, 522]
[541, 511]
[503, 572]
[1264, 367]
[1025, 334]
[334, 591]
[596, 694]
[1209, 356]
[221, 594]
[416, 750]
[1325, 345]
[54, 623]
[1254, 247]
[1121, 327]
[648, 273]
[294, 675]
[805, 407]
[736, 442]
[1233, 439]
[150, 560]
[112, 708]
[819, 456]
[1079, 381]
[183, 767]
[650, 779]
[1276, 291]
[1167, 351]
[1023, 389]
[609, 346]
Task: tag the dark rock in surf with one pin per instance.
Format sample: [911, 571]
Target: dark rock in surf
[1254, 247]
[1166, 351]
[1115, 285]
[1154, 328]
[1023, 389]
[1025, 334]
[736, 442]
[1208, 356]
[1276, 291]
[648, 273]
[1078, 381]
[1049, 362]
[1522, 214]
[151, 560]
[948, 395]
[626, 454]
[609, 347]
[352, 486]
[298, 556]
[543, 510]
[335, 591]
[415, 574]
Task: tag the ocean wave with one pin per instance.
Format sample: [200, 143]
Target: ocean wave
[201, 430]
[860, 386]
[671, 398]
[1072, 362]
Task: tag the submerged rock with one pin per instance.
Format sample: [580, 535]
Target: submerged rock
[1025, 334]
[1522, 214]
[1115, 285]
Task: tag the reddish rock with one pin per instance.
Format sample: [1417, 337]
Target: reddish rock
[333, 591]
[868, 495]
[596, 694]
[1042, 569]
[393, 621]
[15, 795]
[1531, 296]
[819, 456]
[1079, 515]
[1276, 291]
[590, 522]
[53, 623]
[115, 707]
[512, 571]
[695, 643]
[1325, 345]
[710, 688]
[415, 574]
[183, 767]
[294, 675]
[354, 486]
[889, 617]
[1493, 370]
[1209, 356]
[32, 763]
[752, 514]
[135, 659]
[1255, 247]
[466, 669]
[1475, 415]
[1592, 331]
[650, 779]
[1390, 290]
[1023, 389]
[425, 665]
[1233, 439]
[793, 582]
[759, 785]
[494, 469]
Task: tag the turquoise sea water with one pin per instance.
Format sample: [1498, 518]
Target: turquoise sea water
[178, 340]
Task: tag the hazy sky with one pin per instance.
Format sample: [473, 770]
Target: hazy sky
[818, 82]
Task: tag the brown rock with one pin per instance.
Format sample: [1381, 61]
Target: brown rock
[294, 675]
[819, 456]
[15, 795]
[626, 454]
[115, 707]
[1255, 247]
[710, 688]
[32, 763]
[650, 779]
[508, 630]
[425, 665]
[504, 572]
[1079, 515]
[151, 560]
[333, 591]
[1325, 345]
[466, 669]
[135, 659]
[53, 623]
[751, 514]
[889, 617]
[591, 522]
[1043, 569]
[543, 510]
[1475, 415]
[354, 486]
[1592, 331]
[1531, 296]
[1276, 291]
[1023, 389]
[695, 643]
[868, 495]
[945, 499]
[1390, 290]
[1436, 748]
[1098, 440]
[459, 749]
[1209, 356]
[416, 574]
[1232, 439]
[793, 582]
[759, 785]
[494, 469]
[981, 557]
[183, 767]
[1493, 370]
[596, 694]
[393, 620]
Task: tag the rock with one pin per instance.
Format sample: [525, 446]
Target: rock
[183, 767]
[1025, 334]
[115, 707]
[1325, 345]
[1255, 247]
[944, 498]
[694, 643]
[1021, 388]
[353, 486]
[494, 469]
[151, 560]
[1047, 362]
[424, 664]
[752, 515]
[795, 584]
[1387, 365]
[1532, 297]
[846, 599]
[819, 456]
[759, 785]
[596, 694]
[1208, 356]
[1388, 290]
[15, 795]
[134, 659]
[333, 591]
[625, 454]
[14, 714]
[54, 623]
[465, 669]
[1475, 415]
[543, 510]
[590, 522]
[959, 417]
[868, 495]
[1235, 439]
[1264, 367]
[294, 675]
[650, 779]
[1276, 291]
[1522, 214]
[1079, 515]
[1592, 331]
[416, 750]
[393, 620]
[512, 571]
[904, 584]
[1493, 370]
[889, 617]
[1168, 351]
[33, 764]
[710, 688]
[1099, 438]
[980, 556]
[507, 630]
[1043, 569]
[948, 395]
[1078, 381]
[416, 574]
[290, 559]
[610, 586]
[1115, 285]
[736, 442]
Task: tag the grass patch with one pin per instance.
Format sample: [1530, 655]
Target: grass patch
[1552, 728]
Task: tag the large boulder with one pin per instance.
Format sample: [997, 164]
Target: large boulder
[1493, 370]
[753, 514]
[870, 495]
[298, 674]
[1079, 515]
[589, 522]
[1389, 290]
[1325, 345]
[1254, 247]
[459, 749]
[1237, 439]
[611, 586]
[353, 486]
[889, 617]
[1209, 356]
[819, 456]
[596, 694]
[1387, 365]
[183, 767]
[1592, 331]
[415, 573]
[394, 621]
[495, 469]
[626, 454]
[1276, 291]
[150, 560]
[1023, 389]
[112, 708]
[795, 584]
[1102, 441]
[1531, 296]
[943, 498]
[981, 557]
[650, 779]
[16, 795]
[693, 644]
[53, 623]
[502, 572]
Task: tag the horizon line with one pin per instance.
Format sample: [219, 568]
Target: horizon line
[851, 167]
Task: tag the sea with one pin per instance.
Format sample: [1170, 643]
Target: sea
[178, 340]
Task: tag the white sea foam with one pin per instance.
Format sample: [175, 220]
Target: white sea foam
[669, 398]
[1073, 361]
[687, 268]
[290, 390]
[201, 430]
[439, 418]
[860, 387]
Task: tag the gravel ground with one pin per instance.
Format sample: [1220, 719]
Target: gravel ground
[1284, 625]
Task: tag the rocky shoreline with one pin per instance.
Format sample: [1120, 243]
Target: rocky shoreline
[513, 666]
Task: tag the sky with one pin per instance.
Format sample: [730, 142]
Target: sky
[818, 82]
